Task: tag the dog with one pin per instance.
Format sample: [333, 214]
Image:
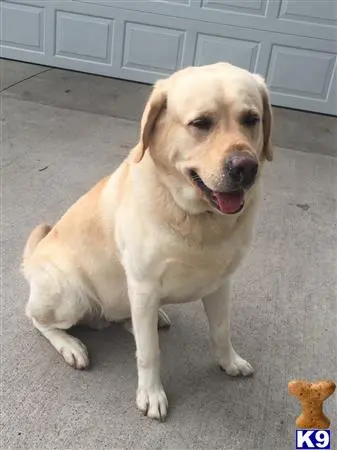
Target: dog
[170, 225]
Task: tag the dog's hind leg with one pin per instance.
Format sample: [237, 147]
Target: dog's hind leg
[94, 320]
[163, 319]
[72, 349]
[52, 313]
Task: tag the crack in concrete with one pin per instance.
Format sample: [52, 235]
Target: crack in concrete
[25, 79]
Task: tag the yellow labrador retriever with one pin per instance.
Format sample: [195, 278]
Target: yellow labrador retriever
[170, 225]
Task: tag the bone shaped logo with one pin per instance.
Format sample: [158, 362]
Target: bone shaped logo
[311, 397]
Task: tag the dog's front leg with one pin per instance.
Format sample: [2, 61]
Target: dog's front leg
[217, 307]
[151, 397]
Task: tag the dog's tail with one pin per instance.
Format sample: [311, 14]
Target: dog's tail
[35, 237]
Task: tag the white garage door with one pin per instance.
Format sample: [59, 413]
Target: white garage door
[293, 43]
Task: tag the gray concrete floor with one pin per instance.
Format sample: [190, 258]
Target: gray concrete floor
[55, 145]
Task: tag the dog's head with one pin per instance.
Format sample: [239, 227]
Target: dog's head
[207, 130]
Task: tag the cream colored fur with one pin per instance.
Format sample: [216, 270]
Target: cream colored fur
[146, 236]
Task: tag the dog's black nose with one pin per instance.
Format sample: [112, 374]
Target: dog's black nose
[242, 168]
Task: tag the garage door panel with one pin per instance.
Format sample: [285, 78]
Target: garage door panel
[211, 49]
[242, 6]
[166, 47]
[71, 37]
[310, 104]
[177, 2]
[300, 72]
[22, 26]
[323, 12]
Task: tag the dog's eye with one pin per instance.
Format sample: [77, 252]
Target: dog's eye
[202, 123]
[250, 119]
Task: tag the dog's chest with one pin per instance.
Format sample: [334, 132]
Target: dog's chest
[195, 274]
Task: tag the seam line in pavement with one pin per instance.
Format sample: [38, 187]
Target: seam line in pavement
[25, 79]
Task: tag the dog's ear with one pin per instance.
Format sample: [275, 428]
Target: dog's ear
[267, 118]
[154, 106]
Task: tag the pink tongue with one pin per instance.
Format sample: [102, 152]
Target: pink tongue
[229, 203]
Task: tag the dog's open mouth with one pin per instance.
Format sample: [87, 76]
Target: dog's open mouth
[225, 202]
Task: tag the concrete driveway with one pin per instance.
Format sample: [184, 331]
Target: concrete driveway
[285, 309]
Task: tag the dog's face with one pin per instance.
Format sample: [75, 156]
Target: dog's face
[208, 132]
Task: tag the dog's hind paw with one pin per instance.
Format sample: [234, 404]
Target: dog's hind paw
[163, 319]
[74, 353]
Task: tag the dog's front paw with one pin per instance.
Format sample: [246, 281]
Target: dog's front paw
[236, 366]
[152, 402]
